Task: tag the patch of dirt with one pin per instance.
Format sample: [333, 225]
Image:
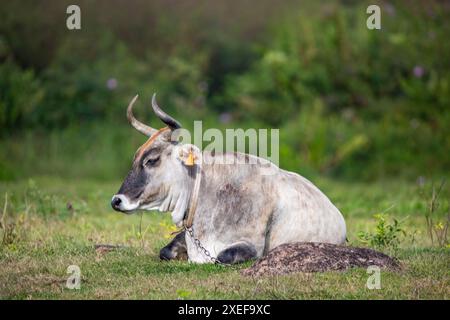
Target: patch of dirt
[318, 257]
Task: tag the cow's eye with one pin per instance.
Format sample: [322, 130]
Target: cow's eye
[151, 161]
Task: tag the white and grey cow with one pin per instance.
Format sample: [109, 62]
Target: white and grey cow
[243, 208]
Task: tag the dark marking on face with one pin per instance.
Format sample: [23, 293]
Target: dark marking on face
[147, 156]
[151, 158]
[152, 152]
[134, 183]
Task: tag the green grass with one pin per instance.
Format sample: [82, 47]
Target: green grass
[57, 223]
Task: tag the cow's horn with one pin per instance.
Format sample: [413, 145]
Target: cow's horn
[139, 126]
[171, 122]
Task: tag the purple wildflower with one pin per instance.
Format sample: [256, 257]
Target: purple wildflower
[418, 71]
[225, 117]
[111, 84]
[390, 9]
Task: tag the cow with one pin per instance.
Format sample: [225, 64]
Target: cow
[229, 211]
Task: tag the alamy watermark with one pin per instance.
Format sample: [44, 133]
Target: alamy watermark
[255, 142]
[374, 20]
[374, 280]
[73, 21]
[74, 280]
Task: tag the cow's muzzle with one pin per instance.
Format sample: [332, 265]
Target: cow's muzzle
[115, 203]
[120, 202]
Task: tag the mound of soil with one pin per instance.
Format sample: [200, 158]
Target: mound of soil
[317, 257]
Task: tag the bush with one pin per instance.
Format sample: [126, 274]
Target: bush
[386, 236]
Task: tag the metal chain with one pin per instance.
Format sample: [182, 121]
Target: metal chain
[199, 246]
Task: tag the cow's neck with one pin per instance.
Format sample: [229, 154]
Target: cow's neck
[189, 217]
[186, 203]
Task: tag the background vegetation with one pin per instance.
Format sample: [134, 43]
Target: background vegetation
[363, 113]
[350, 102]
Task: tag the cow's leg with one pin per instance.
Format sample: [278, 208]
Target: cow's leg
[176, 249]
[237, 253]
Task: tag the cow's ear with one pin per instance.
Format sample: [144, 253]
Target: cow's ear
[189, 155]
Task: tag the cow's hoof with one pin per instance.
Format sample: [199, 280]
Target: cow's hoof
[237, 253]
[176, 249]
[166, 254]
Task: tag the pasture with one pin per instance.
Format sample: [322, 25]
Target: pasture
[50, 223]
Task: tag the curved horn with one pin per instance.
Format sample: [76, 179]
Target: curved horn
[139, 126]
[171, 122]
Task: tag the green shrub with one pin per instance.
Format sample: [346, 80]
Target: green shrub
[386, 235]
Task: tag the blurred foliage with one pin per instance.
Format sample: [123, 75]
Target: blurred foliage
[349, 101]
[19, 96]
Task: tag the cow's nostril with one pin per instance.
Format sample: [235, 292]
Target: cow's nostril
[115, 203]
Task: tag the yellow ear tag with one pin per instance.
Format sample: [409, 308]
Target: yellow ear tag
[190, 159]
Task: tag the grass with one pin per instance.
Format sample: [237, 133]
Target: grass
[54, 223]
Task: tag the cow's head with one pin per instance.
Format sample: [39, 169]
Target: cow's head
[160, 177]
